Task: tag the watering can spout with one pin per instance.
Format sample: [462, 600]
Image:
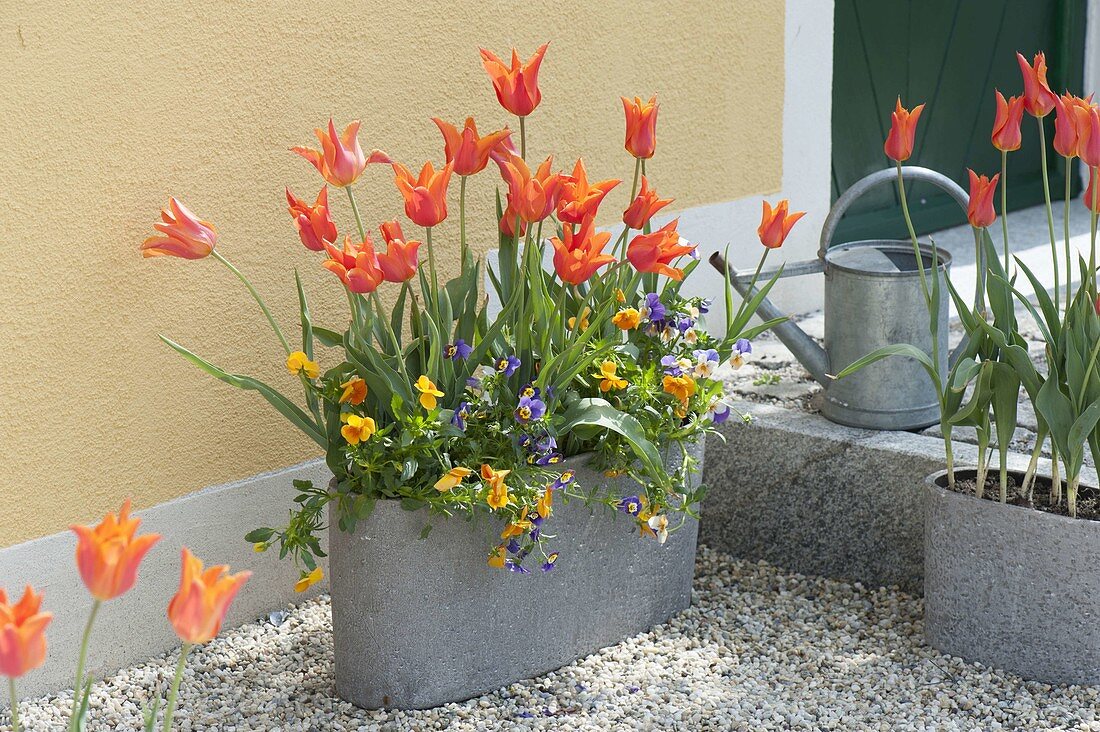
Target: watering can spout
[804, 347]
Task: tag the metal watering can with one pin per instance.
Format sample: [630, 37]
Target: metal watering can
[872, 299]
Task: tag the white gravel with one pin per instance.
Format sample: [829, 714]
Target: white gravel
[758, 650]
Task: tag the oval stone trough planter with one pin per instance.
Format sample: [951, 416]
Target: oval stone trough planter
[422, 622]
[1010, 586]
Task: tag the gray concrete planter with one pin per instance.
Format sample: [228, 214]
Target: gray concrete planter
[419, 623]
[1011, 587]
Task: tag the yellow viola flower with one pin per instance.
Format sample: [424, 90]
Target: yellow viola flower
[681, 387]
[357, 429]
[608, 379]
[498, 492]
[545, 504]
[298, 362]
[428, 392]
[309, 580]
[584, 320]
[355, 391]
[627, 319]
[620, 296]
[516, 528]
[259, 547]
[496, 559]
[451, 479]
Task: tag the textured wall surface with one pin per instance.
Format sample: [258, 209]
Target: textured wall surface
[110, 107]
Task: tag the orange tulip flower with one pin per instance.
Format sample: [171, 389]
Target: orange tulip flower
[903, 128]
[1088, 145]
[641, 126]
[425, 196]
[1091, 199]
[22, 633]
[532, 197]
[579, 200]
[1038, 98]
[185, 235]
[1071, 124]
[642, 208]
[356, 266]
[108, 555]
[580, 253]
[340, 160]
[399, 262]
[1006, 124]
[198, 608]
[655, 252]
[776, 224]
[507, 225]
[468, 153]
[517, 87]
[314, 223]
[980, 211]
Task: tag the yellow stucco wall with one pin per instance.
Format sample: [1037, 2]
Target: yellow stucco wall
[110, 107]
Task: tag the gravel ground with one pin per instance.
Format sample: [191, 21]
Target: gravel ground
[758, 650]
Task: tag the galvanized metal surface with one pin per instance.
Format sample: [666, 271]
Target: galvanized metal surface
[872, 299]
[419, 623]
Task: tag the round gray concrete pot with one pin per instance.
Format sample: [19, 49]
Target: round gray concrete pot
[422, 622]
[1011, 587]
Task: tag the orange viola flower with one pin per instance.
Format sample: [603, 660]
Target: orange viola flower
[398, 263]
[532, 196]
[580, 253]
[903, 128]
[108, 554]
[185, 235]
[356, 265]
[655, 252]
[980, 211]
[198, 608]
[340, 160]
[579, 199]
[354, 391]
[1006, 124]
[314, 223]
[1038, 98]
[22, 633]
[776, 224]
[517, 86]
[426, 195]
[644, 205]
[468, 153]
[641, 126]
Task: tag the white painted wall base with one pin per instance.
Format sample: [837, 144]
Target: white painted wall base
[211, 522]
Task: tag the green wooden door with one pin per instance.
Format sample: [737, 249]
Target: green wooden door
[951, 55]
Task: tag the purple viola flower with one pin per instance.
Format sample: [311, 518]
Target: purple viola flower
[631, 505]
[462, 411]
[563, 480]
[529, 409]
[654, 308]
[513, 546]
[551, 560]
[507, 365]
[671, 365]
[720, 413]
[516, 567]
[743, 345]
[550, 458]
[685, 324]
[458, 351]
[704, 306]
[546, 443]
[529, 390]
[537, 531]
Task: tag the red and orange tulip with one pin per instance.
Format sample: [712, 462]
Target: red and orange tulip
[425, 195]
[340, 160]
[1091, 199]
[356, 265]
[22, 633]
[579, 253]
[108, 554]
[1038, 98]
[579, 199]
[1088, 144]
[655, 252]
[314, 223]
[1006, 124]
[1071, 124]
[507, 224]
[903, 130]
[980, 212]
[517, 86]
[641, 126]
[776, 223]
[398, 263]
[185, 235]
[465, 150]
[531, 196]
[644, 205]
[198, 608]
